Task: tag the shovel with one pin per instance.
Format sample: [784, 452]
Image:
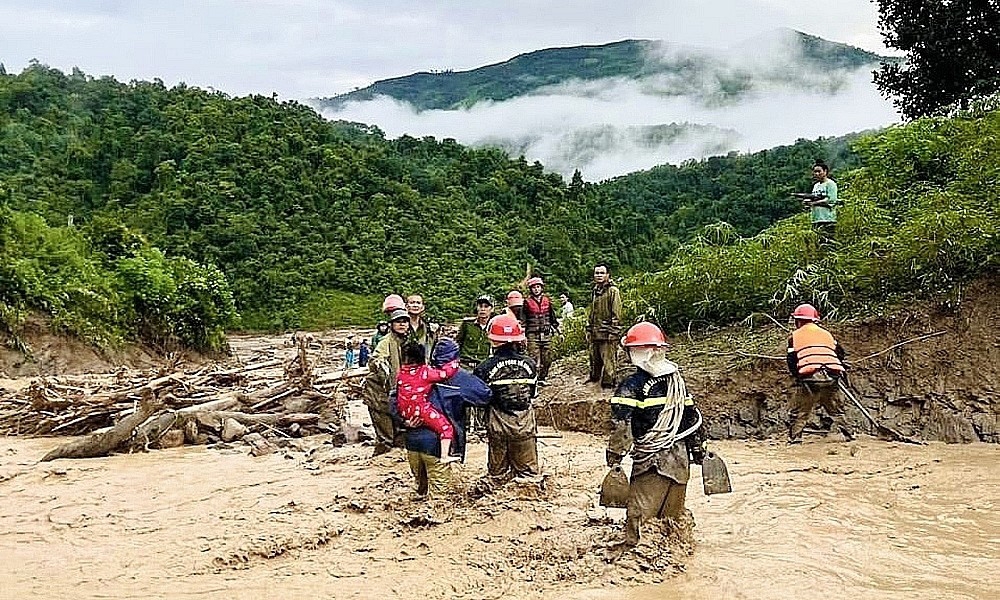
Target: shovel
[614, 488]
[715, 475]
[880, 428]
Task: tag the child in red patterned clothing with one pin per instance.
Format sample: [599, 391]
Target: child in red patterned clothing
[413, 389]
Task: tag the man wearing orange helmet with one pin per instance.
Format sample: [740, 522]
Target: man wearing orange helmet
[510, 427]
[653, 414]
[816, 361]
[515, 305]
[604, 327]
[540, 322]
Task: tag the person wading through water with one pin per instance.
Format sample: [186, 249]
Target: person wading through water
[652, 412]
[816, 362]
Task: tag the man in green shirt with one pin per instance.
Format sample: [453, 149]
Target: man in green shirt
[474, 349]
[822, 203]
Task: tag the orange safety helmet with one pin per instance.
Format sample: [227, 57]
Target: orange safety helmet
[535, 281]
[392, 302]
[806, 312]
[515, 298]
[505, 328]
[644, 334]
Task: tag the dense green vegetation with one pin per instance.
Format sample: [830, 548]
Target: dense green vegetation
[313, 222]
[632, 59]
[921, 217]
[952, 53]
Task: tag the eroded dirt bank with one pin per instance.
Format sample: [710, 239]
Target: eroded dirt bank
[861, 520]
[929, 371]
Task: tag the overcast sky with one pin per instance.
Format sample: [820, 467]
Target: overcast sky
[307, 48]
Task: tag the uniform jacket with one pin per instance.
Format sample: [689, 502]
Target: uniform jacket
[512, 378]
[472, 340]
[604, 321]
[636, 406]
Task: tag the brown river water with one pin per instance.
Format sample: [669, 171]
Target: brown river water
[826, 519]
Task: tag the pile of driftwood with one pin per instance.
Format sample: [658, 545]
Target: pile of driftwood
[267, 396]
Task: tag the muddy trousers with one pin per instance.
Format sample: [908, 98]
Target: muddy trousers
[602, 361]
[652, 496]
[511, 458]
[386, 435]
[432, 476]
[805, 398]
[540, 351]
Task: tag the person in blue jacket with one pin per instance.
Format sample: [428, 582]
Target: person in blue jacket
[423, 446]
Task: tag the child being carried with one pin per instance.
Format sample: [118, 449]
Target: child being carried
[413, 390]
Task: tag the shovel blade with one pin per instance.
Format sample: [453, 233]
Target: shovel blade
[715, 475]
[614, 488]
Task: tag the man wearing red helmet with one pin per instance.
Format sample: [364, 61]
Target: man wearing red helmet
[540, 323]
[510, 427]
[816, 361]
[653, 414]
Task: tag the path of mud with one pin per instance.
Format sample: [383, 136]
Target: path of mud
[860, 520]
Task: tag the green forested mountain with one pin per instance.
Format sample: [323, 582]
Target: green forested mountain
[632, 59]
[312, 222]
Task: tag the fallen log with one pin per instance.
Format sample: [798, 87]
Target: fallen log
[105, 442]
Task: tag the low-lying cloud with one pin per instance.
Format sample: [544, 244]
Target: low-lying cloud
[744, 99]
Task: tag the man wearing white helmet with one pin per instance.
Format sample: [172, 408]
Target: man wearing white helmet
[653, 414]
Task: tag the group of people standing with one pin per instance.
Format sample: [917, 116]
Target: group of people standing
[488, 376]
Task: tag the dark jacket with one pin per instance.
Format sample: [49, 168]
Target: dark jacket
[512, 378]
[604, 321]
[636, 406]
[450, 398]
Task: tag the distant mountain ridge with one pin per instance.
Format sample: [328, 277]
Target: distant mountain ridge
[642, 60]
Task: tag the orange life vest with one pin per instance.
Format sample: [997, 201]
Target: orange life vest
[815, 349]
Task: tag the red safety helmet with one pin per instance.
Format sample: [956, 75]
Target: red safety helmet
[505, 328]
[806, 312]
[392, 302]
[515, 298]
[644, 334]
[535, 281]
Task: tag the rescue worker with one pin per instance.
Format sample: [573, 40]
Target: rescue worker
[421, 331]
[511, 426]
[423, 447]
[540, 322]
[816, 361]
[475, 348]
[515, 305]
[472, 341]
[391, 303]
[604, 327]
[652, 412]
[381, 379]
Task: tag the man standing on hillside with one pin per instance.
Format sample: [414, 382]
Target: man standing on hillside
[604, 327]
[421, 330]
[816, 361]
[539, 324]
[382, 369]
[567, 308]
[822, 203]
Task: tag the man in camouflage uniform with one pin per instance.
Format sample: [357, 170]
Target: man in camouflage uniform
[382, 369]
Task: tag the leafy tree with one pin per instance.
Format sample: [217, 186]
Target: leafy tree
[952, 53]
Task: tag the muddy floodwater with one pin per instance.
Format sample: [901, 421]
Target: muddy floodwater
[827, 519]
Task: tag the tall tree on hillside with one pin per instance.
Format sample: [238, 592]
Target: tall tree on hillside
[952, 52]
